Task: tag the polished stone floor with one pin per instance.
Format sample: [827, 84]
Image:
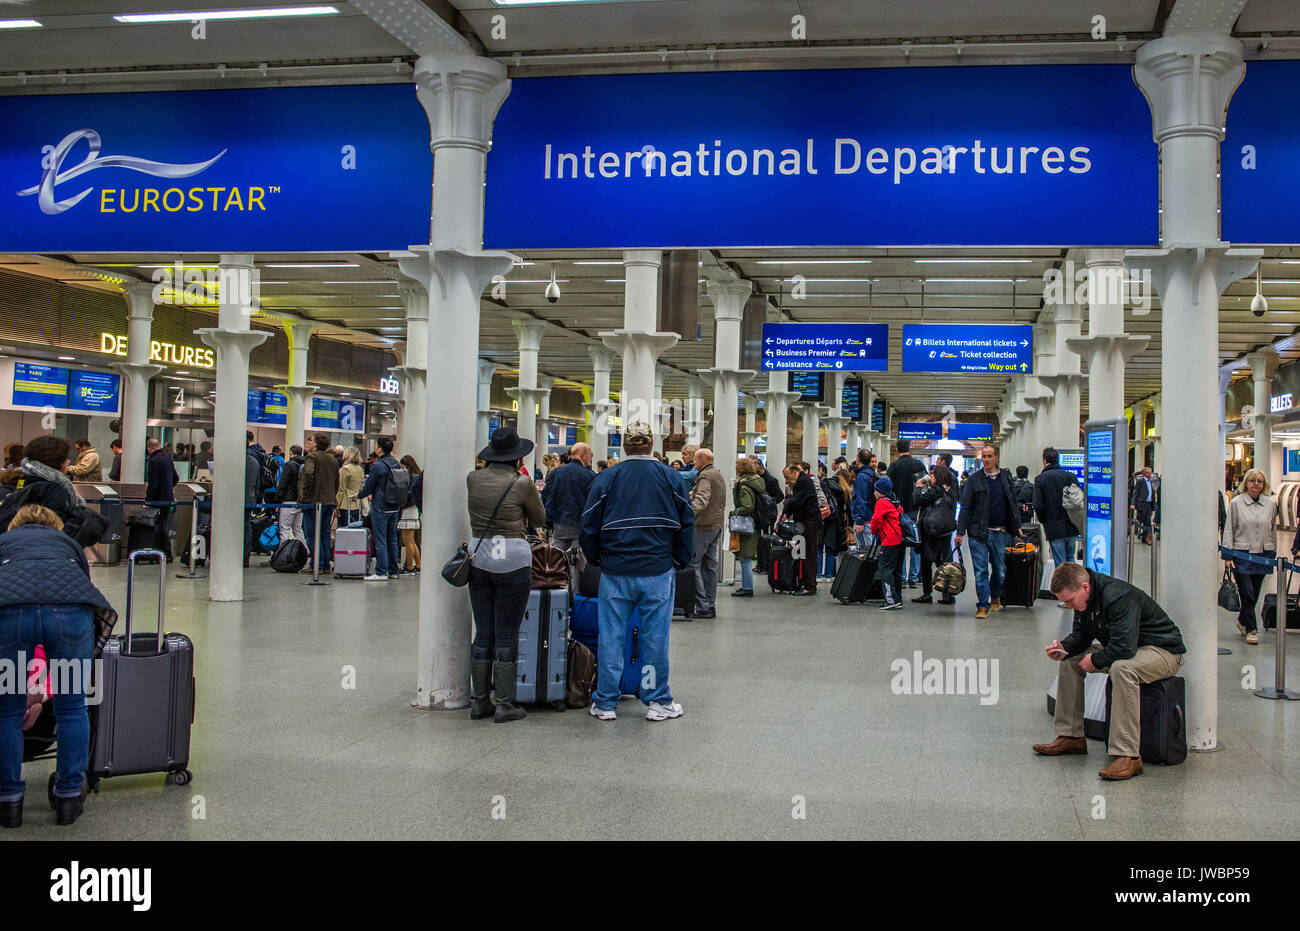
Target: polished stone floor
[789, 711]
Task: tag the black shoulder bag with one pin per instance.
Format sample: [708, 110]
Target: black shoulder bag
[456, 569]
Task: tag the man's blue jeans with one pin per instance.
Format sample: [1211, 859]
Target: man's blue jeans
[383, 526]
[67, 633]
[309, 528]
[1062, 550]
[990, 553]
[622, 597]
[913, 559]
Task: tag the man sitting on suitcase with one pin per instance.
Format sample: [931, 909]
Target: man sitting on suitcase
[638, 526]
[1139, 644]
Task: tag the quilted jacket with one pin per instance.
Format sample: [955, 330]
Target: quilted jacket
[40, 565]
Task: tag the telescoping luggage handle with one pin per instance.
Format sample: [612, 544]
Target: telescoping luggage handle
[131, 561]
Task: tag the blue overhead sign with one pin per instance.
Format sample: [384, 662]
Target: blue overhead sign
[336, 414]
[920, 431]
[811, 347]
[300, 169]
[944, 347]
[971, 432]
[1260, 157]
[97, 392]
[37, 385]
[901, 156]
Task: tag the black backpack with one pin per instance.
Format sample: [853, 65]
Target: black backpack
[832, 492]
[765, 510]
[1024, 492]
[397, 493]
[267, 477]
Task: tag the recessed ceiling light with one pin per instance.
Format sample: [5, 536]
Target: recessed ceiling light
[19, 24]
[269, 13]
[814, 262]
[67, 358]
[182, 373]
[973, 261]
[597, 262]
[316, 265]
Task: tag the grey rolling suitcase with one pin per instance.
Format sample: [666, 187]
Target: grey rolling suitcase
[351, 553]
[146, 690]
[541, 671]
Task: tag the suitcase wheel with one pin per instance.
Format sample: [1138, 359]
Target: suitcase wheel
[181, 778]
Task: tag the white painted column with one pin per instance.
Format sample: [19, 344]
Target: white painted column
[529, 333]
[233, 341]
[486, 370]
[1225, 379]
[810, 412]
[658, 423]
[751, 422]
[546, 383]
[296, 390]
[777, 400]
[413, 375]
[1140, 440]
[1157, 409]
[851, 441]
[639, 343]
[1188, 79]
[136, 371]
[600, 407]
[1067, 383]
[1107, 347]
[1263, 364]
[461, 96]
[728, 299]
[695, 421]
[834, 420]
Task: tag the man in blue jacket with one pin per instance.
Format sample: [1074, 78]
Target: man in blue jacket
[565, 496]
[637, 526]
[383, 518]
[863, 503]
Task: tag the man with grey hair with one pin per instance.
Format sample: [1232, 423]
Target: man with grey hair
[709, 503]
[565, 495]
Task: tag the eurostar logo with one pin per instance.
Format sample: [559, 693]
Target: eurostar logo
[52, 175]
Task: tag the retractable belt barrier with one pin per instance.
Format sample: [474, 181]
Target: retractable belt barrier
[1279, 690]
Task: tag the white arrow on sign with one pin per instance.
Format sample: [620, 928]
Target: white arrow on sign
[1024, 342]
[769, 341]
[1024, 366]
[767, 352]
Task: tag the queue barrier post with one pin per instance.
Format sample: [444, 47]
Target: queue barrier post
[1279, 690]
[315, 554]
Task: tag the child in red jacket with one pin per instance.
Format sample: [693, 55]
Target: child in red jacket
[886, 524]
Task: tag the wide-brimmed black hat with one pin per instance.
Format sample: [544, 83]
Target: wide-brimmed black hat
[506, 446]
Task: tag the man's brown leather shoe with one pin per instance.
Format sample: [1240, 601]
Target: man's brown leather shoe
[1063, 745]
[1124, 767]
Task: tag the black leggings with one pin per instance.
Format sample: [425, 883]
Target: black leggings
[498, 600]
[1248, 586]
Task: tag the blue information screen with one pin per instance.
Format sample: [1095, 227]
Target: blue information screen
[336, 414]
[1100, 492]
[849, 347]
[40, 385]
[851, 400]
[920, 431]
[268, 407]
[808, 384]
[944, 347]
[99, 392]
[971, 432]
[1076, 464]
[878, 415]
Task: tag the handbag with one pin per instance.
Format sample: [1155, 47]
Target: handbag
[456, 569]
[741, 523]
[550, 565]
[1229, 598]
[733, 543]
[950, 578]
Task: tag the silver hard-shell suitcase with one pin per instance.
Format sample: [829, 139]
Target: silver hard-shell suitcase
[541, 671]
[351, 552]
[146, 689]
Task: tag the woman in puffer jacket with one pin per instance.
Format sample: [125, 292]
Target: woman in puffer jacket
[47, 598]
[39, 479]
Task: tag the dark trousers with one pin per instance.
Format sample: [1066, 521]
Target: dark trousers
[1248, 586]
[812, 535]
[309, 529]
[891, 573]
[498, 600]
[162, 530]
[1142, 513]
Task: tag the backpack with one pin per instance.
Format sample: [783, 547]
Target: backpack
[1074, 502]
[397, 493]
[910, 532]
[269, 475]
[831, 490]
[1024, 493]
[940, 518]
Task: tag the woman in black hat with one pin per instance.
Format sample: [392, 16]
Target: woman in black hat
[502, 504]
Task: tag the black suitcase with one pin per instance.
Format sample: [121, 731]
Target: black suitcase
[1021, 585]
[1268, 614]
[142, 724]
[857, 579]
[785, 573]
[141, 533]
[765, 543]
[684, 593]
[1163, 717]
[289, 556]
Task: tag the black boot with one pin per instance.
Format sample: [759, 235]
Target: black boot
[503, 674]
[480, 687]
[11, 814]
[68, 810]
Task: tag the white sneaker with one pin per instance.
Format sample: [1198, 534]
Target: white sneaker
[376, 578]
[601, 714]
[658, 712]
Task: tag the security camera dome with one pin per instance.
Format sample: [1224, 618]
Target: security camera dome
[553, 292]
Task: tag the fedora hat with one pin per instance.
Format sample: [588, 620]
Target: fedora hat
[505, 446]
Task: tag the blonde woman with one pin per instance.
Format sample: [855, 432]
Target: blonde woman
[1251, 528]
[351, 476]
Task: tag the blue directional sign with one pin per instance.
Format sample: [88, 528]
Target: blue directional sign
[1260, 196]
[971, 432]
[920, 431]
[811, 347]
[943, 347]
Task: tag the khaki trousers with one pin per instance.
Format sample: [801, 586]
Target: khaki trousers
[1149, 664]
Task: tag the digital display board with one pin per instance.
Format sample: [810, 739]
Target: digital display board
[337, 414]
[268, 407]
[1106, 486]
[851, 400]
[808, 384]
[1075, 462]
[878, 415]
[98, 392]
[40, 385]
